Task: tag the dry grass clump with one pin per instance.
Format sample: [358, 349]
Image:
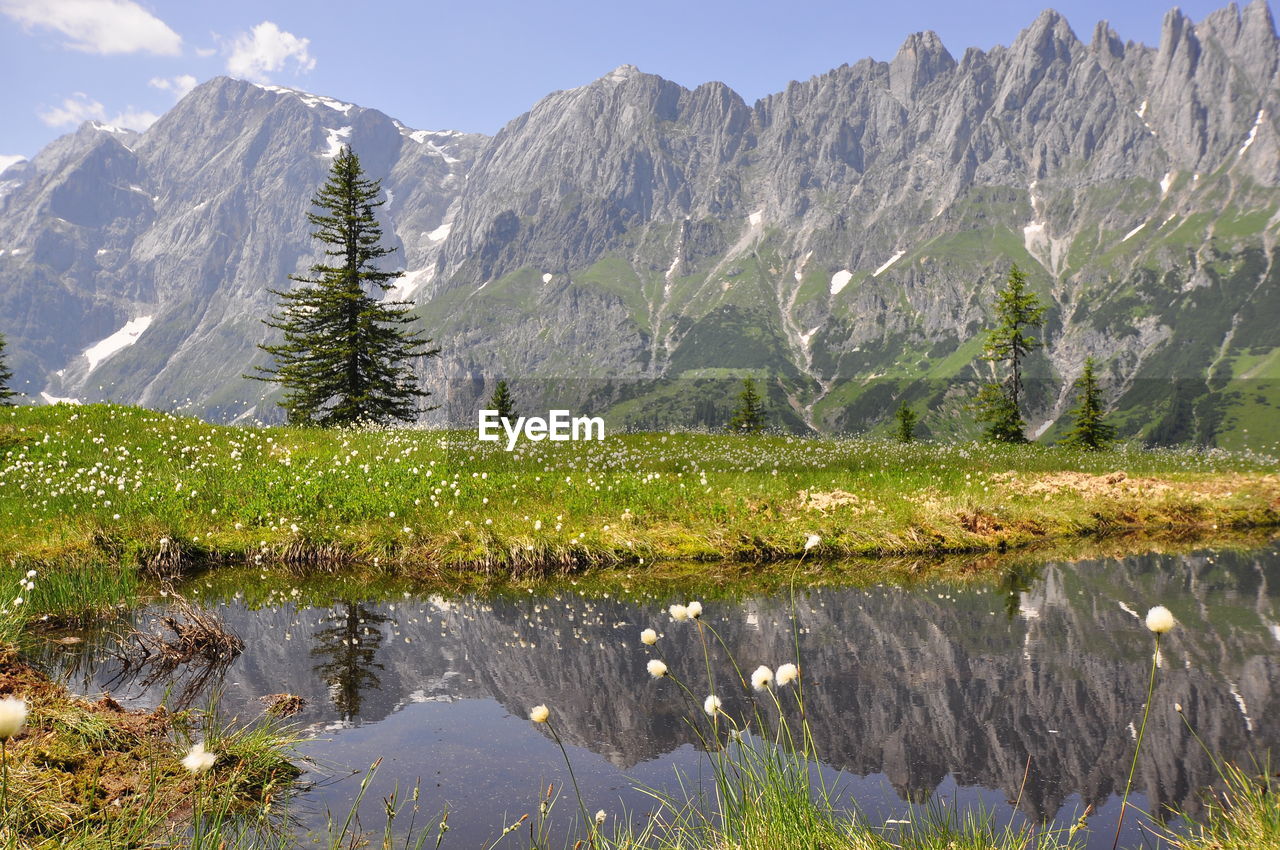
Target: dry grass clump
[192, 639]
[283, 705]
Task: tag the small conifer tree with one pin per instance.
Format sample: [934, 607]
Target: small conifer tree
[346, 355]
[749, 415]
[503, 403]
[6, 375]
[1089, 429]
[906, 418]
[999, 403]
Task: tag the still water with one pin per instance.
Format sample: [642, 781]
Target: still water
[1020, 695]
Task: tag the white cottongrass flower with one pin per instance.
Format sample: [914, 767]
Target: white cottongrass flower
[811, 541]
[694, 609]
[711, 705]
[539, 714]
[1159, 619]
[198, 759]
[679, 613]
[648, 637]
[656, 668]
[13, 714]
[600, 818]
[787, 674]
[761, 678]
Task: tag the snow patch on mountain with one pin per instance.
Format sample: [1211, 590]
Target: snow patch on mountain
[887, 263]
[409, 283]
[336, 139]
[799, 273]
[1253, 133]
[840, 280]
[1134, 232]
[121, 339]
[424, 137]
[315, 101]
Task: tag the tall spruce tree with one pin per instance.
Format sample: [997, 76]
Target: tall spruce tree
[906, 418]
[502, 402]
[749, 415]
[6, 375]
[1089, 429]
[346, 355]
[999, 403]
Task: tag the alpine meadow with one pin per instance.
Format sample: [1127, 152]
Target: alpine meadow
[886, 463]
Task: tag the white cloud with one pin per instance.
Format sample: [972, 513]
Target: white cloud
[75, 109]
[80, 108]
[134, 119]
[98, 26]
[205, 52]
[178, 86]
[265, 49]
[7, 160]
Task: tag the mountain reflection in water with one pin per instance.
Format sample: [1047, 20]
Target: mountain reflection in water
[934, 688]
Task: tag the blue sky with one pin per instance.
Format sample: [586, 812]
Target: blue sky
[464, 65]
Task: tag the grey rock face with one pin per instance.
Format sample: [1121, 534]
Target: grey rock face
[856, 224]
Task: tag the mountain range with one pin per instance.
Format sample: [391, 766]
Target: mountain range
[634, 248]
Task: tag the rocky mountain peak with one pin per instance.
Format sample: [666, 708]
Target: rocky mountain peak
[921, 59]
[1106, 40]
[1049, 38]
[1178, 42]
[1256, 17]
[623, 73]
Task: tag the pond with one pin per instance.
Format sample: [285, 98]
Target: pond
[1020, 695]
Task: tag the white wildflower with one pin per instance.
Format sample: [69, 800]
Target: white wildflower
[198, 760]
[13, 714]
[1159, 619]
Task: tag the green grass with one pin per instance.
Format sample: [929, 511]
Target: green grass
[1243, 815]
[91, 775]
[101, 486]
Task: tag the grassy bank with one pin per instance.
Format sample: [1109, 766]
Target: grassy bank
[146, 488]
[91, 774]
